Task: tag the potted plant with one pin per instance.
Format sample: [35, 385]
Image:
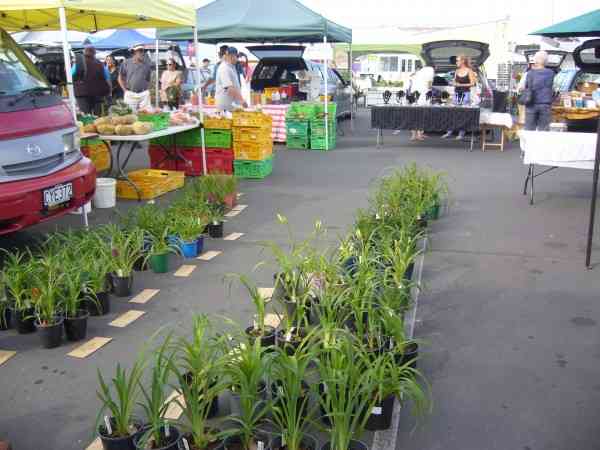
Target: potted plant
[126, 248]
[74, 304]
[18, 272]
[159, 432]
[188, 228]
[291, 412]
[119, 398]
[4, 308]
[228, 185]
[246, 368]
[215, 226]
[161, 248]
[199, 373]
[259, 331]
[47, 300]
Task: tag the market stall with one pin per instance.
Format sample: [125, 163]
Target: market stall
[261, 21]
[429, 118]
[586, 25]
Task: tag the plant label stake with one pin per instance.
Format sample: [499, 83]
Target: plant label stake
[377, 411]
[185, 444]
[167, 431]
[107, 425]
[260, 445]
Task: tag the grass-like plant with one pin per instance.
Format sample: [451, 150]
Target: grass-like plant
[126, 248]
[47, 290]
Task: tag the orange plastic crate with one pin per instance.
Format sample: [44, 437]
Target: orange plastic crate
[252, 134]
[251, 119]
[219, 123]
[151, 183]
[99, 153]
[252, 151]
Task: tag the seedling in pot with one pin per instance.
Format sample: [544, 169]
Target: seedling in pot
[126, 249]
[199, 367]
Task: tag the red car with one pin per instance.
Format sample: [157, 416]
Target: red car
[43, 174]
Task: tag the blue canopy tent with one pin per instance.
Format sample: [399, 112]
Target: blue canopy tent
[122, 39]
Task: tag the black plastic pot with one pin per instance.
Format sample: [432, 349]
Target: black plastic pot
[173, 440]
[118, 443]
[98, 306]
[214, 445]
[214, 405]
[50, 335]
[266, 340]
[408, 273]
[381, 415]
[215, 230]
[5, 319]
[291, 345]
[76, 327]
[421, 223]
[121, 286]
[234, 399]
[24, 320]
[354, 445]
[141, 264]
[410, 355]
[307, 443]
[235, 442]
[303, 400]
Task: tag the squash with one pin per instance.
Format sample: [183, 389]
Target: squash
[90, 128]
[142, 128]
[124, 130]
[106, 129]
[129, 119]
[102, 121]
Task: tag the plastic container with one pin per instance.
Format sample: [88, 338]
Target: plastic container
[252, 151]
[251, 119]
[106, 193]
[159, 121]
[298, 142]
[151, 183]
[253, 169]
[159, 160]
[252, 134]
[219, 123]
[297, 127]
[217, 138]
[218, 160]
[318, 143]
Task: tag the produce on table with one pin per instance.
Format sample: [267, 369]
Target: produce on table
[120, 108]
[128, 119]
[90, 128]
[142, 128]
[102, 121]
[181, 118]
[124, 130]
[106, 129]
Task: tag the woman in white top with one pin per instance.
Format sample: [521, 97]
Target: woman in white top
[422, 81]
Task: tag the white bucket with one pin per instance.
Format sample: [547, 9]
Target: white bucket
[106, 193]
[79, 211]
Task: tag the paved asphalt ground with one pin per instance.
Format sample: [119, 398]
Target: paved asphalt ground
[509, 314]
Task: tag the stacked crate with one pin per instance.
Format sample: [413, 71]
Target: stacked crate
[297, 124]
[317, 128]
[217, 142]
[98, 152]
[252, 144]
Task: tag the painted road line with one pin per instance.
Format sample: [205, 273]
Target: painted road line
[185, 271]
[144, 296]
[96, 445]
[85, 350]
[233, 236]
[174, 409]
[5, 355]
[266, 293]
[207, 256]
[232, 213]
[240, 208]
[125, 319]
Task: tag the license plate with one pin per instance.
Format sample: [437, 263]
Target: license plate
[58, 194]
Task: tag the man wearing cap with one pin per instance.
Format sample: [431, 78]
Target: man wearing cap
[91, 82]
[134, 78]
[209, 85]
[228, 88]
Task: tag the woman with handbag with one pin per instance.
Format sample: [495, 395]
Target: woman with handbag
[538, 94]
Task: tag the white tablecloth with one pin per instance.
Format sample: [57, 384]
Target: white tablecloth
[146, 137]
[551, 148]
[497, 119]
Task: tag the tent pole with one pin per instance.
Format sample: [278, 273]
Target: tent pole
[200, 94]
[67, 57]
[351, 90]
[588, 252]
[326, 74]
[156, 85]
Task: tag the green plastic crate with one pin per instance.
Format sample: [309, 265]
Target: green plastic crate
[320, 109]
[317, 128]
[159, 121]
[165, 141]
[217, 138]
[297, 128]
[190, 138]
[253, 169]
[298, 143]
[317, 143]
[301, 111]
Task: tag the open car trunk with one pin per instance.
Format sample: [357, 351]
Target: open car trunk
[276, 64]
[555, 58]
[441, 55]
[587, 56]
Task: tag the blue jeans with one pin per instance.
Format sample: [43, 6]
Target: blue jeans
[538, 117]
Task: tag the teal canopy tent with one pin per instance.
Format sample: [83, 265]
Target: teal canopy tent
[586, 25]
[259, 21]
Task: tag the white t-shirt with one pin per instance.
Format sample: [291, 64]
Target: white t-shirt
[227, 77]
[422, 81]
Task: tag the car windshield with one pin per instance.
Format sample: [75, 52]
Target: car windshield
[17, 72]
